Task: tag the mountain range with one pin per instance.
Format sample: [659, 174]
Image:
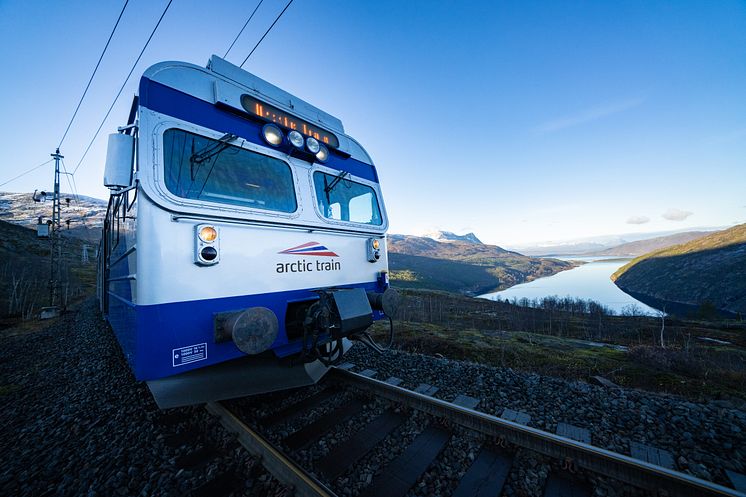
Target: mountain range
[640, 247]
[447, 236]
[597, 245]
[86, 214]
[465, 266]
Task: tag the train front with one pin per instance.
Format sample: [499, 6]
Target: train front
[258, 244]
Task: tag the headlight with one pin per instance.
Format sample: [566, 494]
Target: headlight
[272, 135]
[323, 154]
[296, 139]
[313, 145]
[208, 234]
[209, 254]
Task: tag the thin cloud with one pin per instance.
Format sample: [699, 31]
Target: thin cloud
[588, 115]
[676, 214]
[638, 220]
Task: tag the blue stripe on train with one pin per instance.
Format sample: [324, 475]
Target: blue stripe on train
[166, 100]
[152, 336]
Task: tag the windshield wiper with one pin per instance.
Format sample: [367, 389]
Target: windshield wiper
[328, 188]
[212, 149]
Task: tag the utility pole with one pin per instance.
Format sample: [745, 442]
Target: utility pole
[55, 279]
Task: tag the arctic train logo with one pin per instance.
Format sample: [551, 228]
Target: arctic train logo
[304, 266]
[310, 248]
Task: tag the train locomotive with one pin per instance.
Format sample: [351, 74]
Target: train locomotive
[244, 245]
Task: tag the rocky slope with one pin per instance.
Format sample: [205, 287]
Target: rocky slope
[462, 266]
[24, 270]
[706, 272]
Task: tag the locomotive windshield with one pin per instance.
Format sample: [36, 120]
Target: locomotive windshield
[197, 167]
[345, 200]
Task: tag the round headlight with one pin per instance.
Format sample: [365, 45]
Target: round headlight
[272, 135]
[313, 145]
[208, 234]
[209, 253]
[323, 154]
[296, 139]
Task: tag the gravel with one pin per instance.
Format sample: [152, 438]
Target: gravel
[75, 422]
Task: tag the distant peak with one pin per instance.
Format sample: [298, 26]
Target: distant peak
[447, 236]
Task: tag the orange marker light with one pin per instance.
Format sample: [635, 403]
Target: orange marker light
[208, 234]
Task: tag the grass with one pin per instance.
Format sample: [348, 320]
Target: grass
[699, 373]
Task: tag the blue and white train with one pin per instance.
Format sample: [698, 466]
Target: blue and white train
[245, 238]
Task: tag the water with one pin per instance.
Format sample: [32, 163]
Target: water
[590, 281]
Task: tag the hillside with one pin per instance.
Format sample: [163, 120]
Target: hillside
[462, 266]
[708, 271]
[86, 214]
[642, 247]
[24, 270]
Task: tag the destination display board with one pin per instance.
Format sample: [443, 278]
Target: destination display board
[288, 121]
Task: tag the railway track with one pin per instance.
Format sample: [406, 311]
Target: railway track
[288, 441]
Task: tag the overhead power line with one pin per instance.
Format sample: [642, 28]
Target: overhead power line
[244, 27]
[122, 87]
[26, 172]
[92, 75]
[266, 33]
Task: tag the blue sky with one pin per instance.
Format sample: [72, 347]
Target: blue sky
[520, 121]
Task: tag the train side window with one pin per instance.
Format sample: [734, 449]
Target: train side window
[346, 200]
[200, 168]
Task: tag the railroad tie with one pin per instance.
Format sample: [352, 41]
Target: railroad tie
[466, 401]
[426, 389]
[559, 485]
[519, 417]
[346, 454]
[486, 475]
[737, 479]
[574, 432]
[394, 381]
[294, 410]
[652, 455]
[346, 366]
[317, 429]
[368, 373]
[403, 472]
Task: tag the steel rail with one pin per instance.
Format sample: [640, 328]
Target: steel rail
[595, 459]
[278, 464]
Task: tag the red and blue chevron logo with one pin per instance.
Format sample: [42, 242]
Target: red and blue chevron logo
[310, 248]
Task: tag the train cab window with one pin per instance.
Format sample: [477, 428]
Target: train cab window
[346, 200]
[201, 168]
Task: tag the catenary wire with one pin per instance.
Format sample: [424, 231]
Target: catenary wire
[74, 190]
[244, 27]
[26, 172]
[92, 75]
[266, 33]
[122, 88]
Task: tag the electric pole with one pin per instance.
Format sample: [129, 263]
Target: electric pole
[55, 279]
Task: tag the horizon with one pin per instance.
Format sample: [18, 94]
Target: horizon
[614, 238]
[552, 122]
